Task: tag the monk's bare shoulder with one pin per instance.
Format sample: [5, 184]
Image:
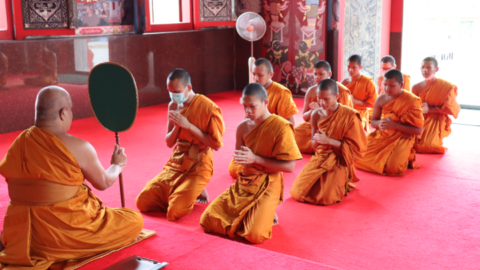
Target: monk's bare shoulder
[245, 127]
[80, 149]
[311, 92]
[418, 88]
[172, 106]
[318, 115]
[382, 99]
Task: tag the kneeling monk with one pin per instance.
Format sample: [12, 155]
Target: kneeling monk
[390, 147]
[195, 126]
[439, 101]
[265, 147]
[303, 132]
[280, 100]
[53, 216]
[339, 140]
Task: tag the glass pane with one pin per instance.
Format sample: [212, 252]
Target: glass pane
[3, 15]
[450, 33]
[165, 11]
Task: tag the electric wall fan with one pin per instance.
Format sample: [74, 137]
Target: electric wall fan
[251, 27]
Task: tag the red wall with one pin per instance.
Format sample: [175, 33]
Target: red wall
[396, 22]
[386, 18]
[341, 27]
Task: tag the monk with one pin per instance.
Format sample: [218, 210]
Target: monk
[195, 127]
[339, 140]
[265, 147]
[362, 87]
[387, 63]
[280, 100]
[53, 216]
[439, 101]
[303, 132]
[398, 119]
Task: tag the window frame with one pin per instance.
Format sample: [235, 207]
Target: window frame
[186, 12]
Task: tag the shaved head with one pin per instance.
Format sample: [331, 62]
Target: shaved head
[265, 62]
[328, 85]
[431, 59]
[180, 74]
[50, 101]
[255, 89]
[357, 59]
[323, 64]
[389, 59]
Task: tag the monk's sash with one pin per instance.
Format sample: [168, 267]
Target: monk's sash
[38, 192]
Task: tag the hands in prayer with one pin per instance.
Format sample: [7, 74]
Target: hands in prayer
[313, 106]
[425, 108]
[179, 120]
[119, 157]
[387, 124]
[244, 156]
[321, 137]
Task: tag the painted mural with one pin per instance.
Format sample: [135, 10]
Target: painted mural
[294, 40]
[363, 20]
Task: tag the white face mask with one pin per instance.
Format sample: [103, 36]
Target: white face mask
[178, 98]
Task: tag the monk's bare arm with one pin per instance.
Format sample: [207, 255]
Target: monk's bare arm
[377, 111]
[314, 124]
[172, 130]
[93, 170]
[307, 112]
[241, 129]
[435, 110]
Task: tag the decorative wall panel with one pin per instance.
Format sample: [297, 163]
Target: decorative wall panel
[362, 34]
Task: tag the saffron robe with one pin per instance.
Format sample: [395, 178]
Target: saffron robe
[406, 86]
[391, 152]
[327, 177]
[247, 208]
[281, 101]
[190, 166]
[303, 132]
[442, 95]
[363, 89]
[38, 234]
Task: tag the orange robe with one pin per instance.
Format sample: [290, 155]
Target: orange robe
[39, 229]
[363, 89]
[303, 132]
[247, 208]
[190, 167]
[281, 104]
[327, 177]
[390, 152]
[281, 101]
[406, 82]
[442, 95]
[406, 86]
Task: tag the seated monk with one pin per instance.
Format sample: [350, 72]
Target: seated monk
[339, 140]
[362, 88]
[195, 127]
[439, 101]
[387, 63]
[265, 147]
[397, 117]
[53, 216]
[280, 100]
[303, 132]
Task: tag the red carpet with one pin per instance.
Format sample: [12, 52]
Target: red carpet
[427, 219]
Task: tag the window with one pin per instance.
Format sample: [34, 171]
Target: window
[6, 27]
[168, 15]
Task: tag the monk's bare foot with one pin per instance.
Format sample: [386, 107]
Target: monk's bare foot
[203, 197]
[275, 219]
